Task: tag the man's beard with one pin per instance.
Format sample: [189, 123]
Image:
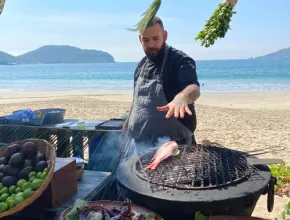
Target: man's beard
[155, 54]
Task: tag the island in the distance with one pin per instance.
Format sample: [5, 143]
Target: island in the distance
[280, 54]
[57, 54]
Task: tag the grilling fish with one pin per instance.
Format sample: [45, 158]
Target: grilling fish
[165, 151]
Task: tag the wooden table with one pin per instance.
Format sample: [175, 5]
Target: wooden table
[92, 183]
[89, 187]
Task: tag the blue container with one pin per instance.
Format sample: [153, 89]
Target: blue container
[104, 146]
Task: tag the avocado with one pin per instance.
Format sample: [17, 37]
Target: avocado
[28, 163]
[39, 157]
[10, 170]
[9, 181]
[17, 159]
[3, 160]
[1, 176]
[10, 150]
[23, 174]
[40, 166]
[2, 166]
[29, 149]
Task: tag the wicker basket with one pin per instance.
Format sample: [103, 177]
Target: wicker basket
[111, 204]
[46, 148]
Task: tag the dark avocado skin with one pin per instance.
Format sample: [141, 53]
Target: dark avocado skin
[3, 160]
[1, 176]
[17, 159]
[39, 157]
[23, 174]
[2, 167]
[9, 181]
[28, 163]
[10, 150]
[10, 170]
[29, 149]
[40, 166]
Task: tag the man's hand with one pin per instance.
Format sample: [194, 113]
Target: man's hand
[178, 107]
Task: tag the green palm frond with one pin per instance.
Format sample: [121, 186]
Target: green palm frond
[148, 16]
[2, 3]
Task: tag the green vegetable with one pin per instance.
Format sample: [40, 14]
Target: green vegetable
[285, 213]
[200, 216]
[107, 216]
[217, 26]
[72, 214]
[150, 217]
[148, 16]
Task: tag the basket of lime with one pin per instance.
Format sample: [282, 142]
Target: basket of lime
[26, 169]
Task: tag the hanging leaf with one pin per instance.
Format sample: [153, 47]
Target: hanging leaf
[218, 24]
[2, 3]
[148, 16]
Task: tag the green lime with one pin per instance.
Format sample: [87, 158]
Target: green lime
[3, 197]
[32, 178]
[27, 193]
[3, 206]
[4, 190]
[12, 189]
[18, 200]
[43, 175]
[1, 186]
[36, 184]
[26, 186]
[32, 174]
[10, 203]
[45, 170]
[13, 195]
[19, 194]
[18, 190]
[20, 182]
[38, 175]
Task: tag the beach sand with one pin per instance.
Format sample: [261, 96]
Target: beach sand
[244, 121]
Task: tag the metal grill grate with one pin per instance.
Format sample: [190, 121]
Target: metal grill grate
[196, 167]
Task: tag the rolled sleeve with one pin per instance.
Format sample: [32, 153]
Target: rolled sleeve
[187, 73]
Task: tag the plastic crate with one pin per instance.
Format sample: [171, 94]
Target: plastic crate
[52, 115]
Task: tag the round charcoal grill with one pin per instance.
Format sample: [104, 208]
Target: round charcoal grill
[196, 167]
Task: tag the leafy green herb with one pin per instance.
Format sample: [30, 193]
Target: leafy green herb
[150, 217]
[200, 216]
[284, 213]
[217, 26]
[282, 174]
[148, 16]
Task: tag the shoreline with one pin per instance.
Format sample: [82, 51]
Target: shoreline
[275, 100]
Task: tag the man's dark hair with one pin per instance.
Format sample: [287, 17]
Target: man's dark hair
[156, 20]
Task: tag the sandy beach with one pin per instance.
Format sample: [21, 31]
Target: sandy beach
[244, 121]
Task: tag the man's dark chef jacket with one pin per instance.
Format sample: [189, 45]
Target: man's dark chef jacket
[179, 71]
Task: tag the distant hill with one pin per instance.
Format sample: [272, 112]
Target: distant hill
[58, 54]
[280, 54]
[6, 58]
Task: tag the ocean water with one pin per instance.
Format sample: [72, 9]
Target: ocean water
[214, 76]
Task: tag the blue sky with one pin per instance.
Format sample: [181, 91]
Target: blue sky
[259, 26]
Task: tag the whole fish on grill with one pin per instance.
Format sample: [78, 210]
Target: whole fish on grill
[166, 150]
